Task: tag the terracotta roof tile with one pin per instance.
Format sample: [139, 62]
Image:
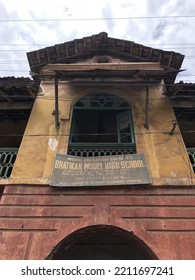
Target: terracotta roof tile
[101, 44]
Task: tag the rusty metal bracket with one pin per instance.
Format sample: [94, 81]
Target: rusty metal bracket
[146, 125]
[56, 102]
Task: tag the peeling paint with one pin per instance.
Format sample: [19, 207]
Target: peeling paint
[52, 144]
[44, 181]
[173, 174]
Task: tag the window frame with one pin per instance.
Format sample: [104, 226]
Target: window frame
[103, 145]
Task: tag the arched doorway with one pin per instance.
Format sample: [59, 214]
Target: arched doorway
[101, 242]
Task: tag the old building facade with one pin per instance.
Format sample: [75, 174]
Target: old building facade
[105, 155]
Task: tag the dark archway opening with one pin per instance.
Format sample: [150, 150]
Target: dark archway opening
[101, 243]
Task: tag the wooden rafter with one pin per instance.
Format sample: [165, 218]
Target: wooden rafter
[6, 96]
[16, 106]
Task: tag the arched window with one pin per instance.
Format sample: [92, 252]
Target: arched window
[101, 122]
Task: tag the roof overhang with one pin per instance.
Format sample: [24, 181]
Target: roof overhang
[16, 97]
[100, 44]
[182, 97]
[131, 71]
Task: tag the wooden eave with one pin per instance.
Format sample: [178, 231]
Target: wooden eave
[182, 90]
[100, 44]
[182, 97]
[16, 97]
[155, 66]
[135, 70]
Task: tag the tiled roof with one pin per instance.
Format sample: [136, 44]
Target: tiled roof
[16, 97]
[182, 90]
[18, 87]
[182, 97]
[101, 44]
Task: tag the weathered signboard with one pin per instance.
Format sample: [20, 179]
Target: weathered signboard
[96, 171]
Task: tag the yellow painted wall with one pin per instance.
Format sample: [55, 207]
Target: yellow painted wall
[166, 155]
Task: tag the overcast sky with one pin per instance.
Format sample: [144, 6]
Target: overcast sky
[27, 25]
